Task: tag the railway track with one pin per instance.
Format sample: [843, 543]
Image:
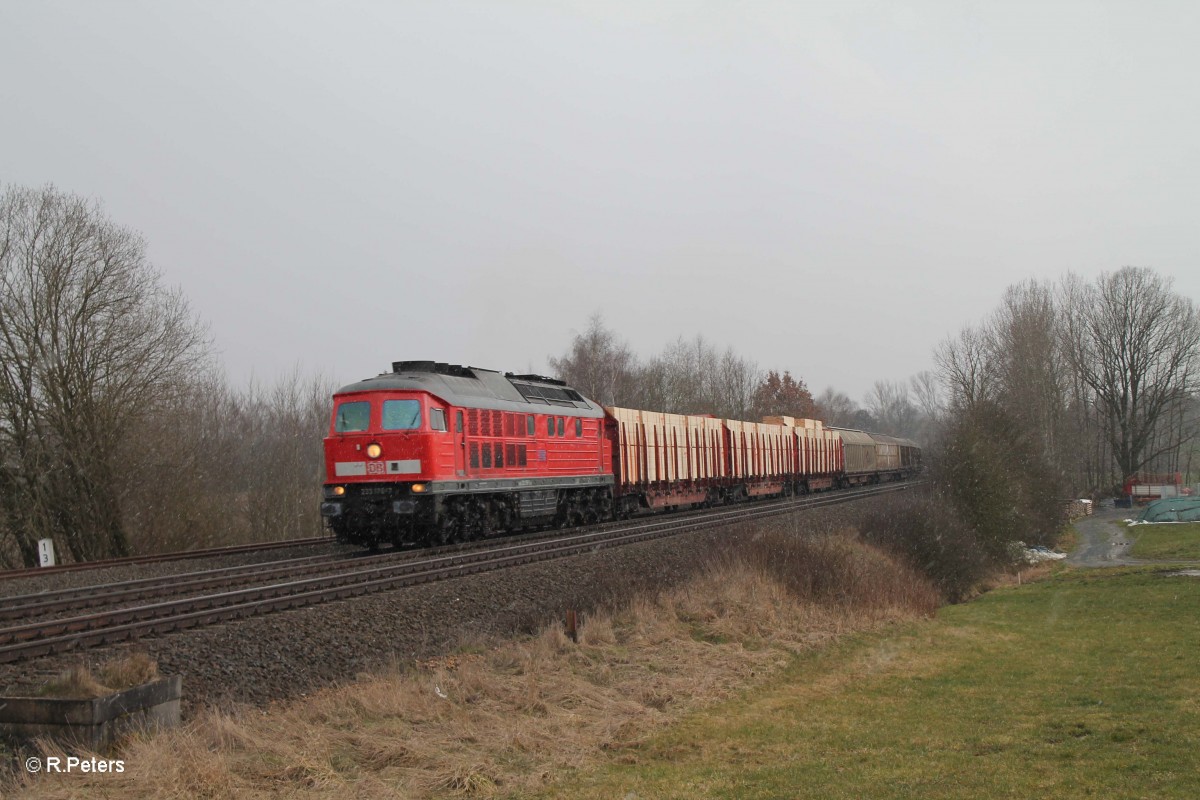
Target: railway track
[38, 604]
[183, 555]
[277, 588]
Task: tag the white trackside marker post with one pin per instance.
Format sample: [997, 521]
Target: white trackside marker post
[46, 552]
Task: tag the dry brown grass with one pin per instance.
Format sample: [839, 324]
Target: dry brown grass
[79, 682]
[507, 719]
[1019, 575]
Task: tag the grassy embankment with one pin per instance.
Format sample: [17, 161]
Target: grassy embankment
[759, 680]
[511, 718]
[1082, 685]
[1176, 540]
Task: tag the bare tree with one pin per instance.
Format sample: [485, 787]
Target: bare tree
[836, 408]
[891, 408]
[598, 365]
[928, 392]
[683, 379]
[685, 363]
[736, 380]
[179, 479]
[225, 466]
[281, 455]
[1135, 344]
[1032, 375]
[91, 343]
[964, 365]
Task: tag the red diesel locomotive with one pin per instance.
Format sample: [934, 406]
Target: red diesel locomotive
[436, 453]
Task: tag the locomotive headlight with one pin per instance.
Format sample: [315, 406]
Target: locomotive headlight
[338, 491]
[374, 450]
[418, 488]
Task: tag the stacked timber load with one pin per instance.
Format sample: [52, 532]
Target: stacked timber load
[816, 448]
[654, 447]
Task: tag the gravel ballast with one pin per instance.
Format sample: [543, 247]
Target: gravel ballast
[284, 655]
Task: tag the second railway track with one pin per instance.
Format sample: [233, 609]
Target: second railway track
[184, 555]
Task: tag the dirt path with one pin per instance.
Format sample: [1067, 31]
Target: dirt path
[1104, 541]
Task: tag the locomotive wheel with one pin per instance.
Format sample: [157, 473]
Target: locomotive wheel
[447, 531]
[505, 517]
[451, 524]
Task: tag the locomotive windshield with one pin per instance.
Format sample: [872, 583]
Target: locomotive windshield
[353, 417]
[401, 415]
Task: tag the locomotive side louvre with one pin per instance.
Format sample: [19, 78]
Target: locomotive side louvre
[550, 444]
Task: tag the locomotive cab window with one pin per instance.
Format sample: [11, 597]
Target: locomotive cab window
[578, 427]
[354, 416]
[403, 415]
[437, 419]
[458, 422]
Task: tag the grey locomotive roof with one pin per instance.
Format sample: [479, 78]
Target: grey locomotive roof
[475, 387]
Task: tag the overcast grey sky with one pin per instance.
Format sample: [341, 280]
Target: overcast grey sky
[829, 187]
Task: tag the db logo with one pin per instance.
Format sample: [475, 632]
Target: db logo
[376, 468]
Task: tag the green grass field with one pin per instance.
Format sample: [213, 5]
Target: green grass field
[1181, 540]
[1084, 685]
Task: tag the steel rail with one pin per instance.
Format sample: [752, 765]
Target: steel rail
[38, 639]
[76, 597]
[36, 604]
[182, 555]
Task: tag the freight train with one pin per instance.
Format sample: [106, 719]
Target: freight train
[434, 453]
